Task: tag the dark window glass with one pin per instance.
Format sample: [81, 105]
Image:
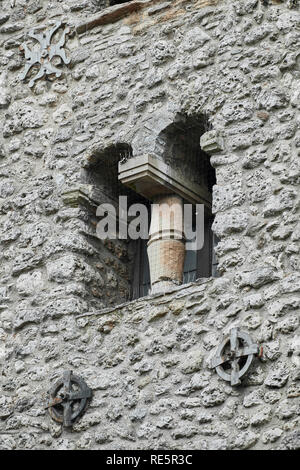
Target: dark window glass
[141, 273]
[116, 2]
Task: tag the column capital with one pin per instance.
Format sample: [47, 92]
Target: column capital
[151, 177]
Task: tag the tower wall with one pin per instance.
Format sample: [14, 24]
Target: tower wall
[135, 68]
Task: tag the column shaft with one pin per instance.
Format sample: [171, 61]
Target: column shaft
[166, 246]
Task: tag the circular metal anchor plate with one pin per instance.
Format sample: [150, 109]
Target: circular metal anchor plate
[234, 356]
[69, 398]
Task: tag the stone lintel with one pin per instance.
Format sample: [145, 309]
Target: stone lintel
[151, 177]
[118, 12]
[113, 14]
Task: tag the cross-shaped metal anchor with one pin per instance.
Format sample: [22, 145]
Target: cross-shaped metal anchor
[63, 398]
[230, 351]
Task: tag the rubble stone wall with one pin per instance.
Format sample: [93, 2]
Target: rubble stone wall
[135, 70]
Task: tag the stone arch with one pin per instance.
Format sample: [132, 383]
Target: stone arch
[180, 148]
[101, 153]
[147, 138]
[172, 136]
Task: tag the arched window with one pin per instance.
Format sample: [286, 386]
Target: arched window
[115, 257]
[182, 152]
[126, 261]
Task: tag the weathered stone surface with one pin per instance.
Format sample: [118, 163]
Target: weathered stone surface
[288, 325]
[225, 197]
[286, 409]
[192, 362]
[257, 277]
[277, 204]
[4, 92]
[231, 222]
[212, 396]
[278, 377]
[253, 398]
[29, 284]
[291, 441]
[271, 435]
[175, 80]
[262, 416]
[244, 440]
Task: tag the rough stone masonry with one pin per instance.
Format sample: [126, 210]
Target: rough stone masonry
[135, 69]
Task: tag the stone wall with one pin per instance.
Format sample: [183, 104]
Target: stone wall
[135, 70]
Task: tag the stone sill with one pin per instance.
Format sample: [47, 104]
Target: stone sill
[167, 293]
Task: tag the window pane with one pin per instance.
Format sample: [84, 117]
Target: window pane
[145, 271]
[190, 267]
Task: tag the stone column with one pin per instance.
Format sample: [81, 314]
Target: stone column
[166, 246]
[164, 187]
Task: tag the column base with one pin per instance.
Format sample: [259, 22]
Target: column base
[163, 286]
[166, 260]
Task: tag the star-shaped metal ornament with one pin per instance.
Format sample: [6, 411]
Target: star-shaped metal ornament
[45, 53]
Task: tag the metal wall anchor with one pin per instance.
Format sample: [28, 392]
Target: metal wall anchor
[234, 356]
[69, 398]
[45, 54]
